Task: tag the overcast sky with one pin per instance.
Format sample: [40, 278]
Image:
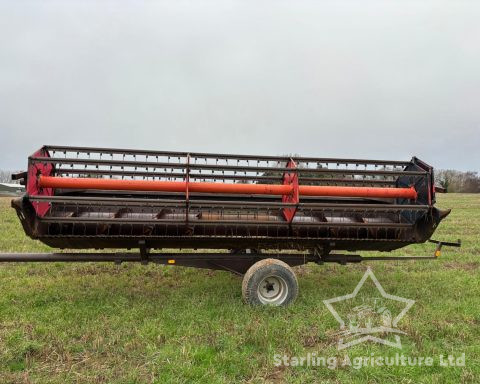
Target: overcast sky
[368, 79]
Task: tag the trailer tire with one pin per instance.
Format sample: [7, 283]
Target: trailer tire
[270, 282]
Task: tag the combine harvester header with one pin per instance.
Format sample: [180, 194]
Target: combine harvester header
[260, 213]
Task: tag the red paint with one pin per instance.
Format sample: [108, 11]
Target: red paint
[291, 179]
[33, 185]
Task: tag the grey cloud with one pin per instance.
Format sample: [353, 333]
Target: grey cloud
[340, 79]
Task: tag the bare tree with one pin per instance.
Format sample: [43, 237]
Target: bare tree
[5, 176]
[456, 181]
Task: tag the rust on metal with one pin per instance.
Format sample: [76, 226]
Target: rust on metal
[299, 209]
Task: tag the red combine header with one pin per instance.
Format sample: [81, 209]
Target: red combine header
[257, 213]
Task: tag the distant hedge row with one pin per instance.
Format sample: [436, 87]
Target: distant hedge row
[456, 181]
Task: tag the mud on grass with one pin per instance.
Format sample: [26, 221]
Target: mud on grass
[102, 323]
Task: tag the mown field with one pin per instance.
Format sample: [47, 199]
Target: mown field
[102, 323]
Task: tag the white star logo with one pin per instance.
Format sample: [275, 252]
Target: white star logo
[367, 333]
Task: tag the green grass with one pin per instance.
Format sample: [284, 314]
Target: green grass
[102, 323]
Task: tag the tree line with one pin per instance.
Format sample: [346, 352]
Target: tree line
[456, 181]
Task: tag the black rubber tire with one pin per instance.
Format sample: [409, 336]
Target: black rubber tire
[278, 272]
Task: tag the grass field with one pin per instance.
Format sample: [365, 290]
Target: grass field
[102, 323]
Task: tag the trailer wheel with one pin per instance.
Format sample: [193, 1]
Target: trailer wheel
[270, 281]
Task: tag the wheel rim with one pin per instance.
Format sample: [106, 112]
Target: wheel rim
[272, 290]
